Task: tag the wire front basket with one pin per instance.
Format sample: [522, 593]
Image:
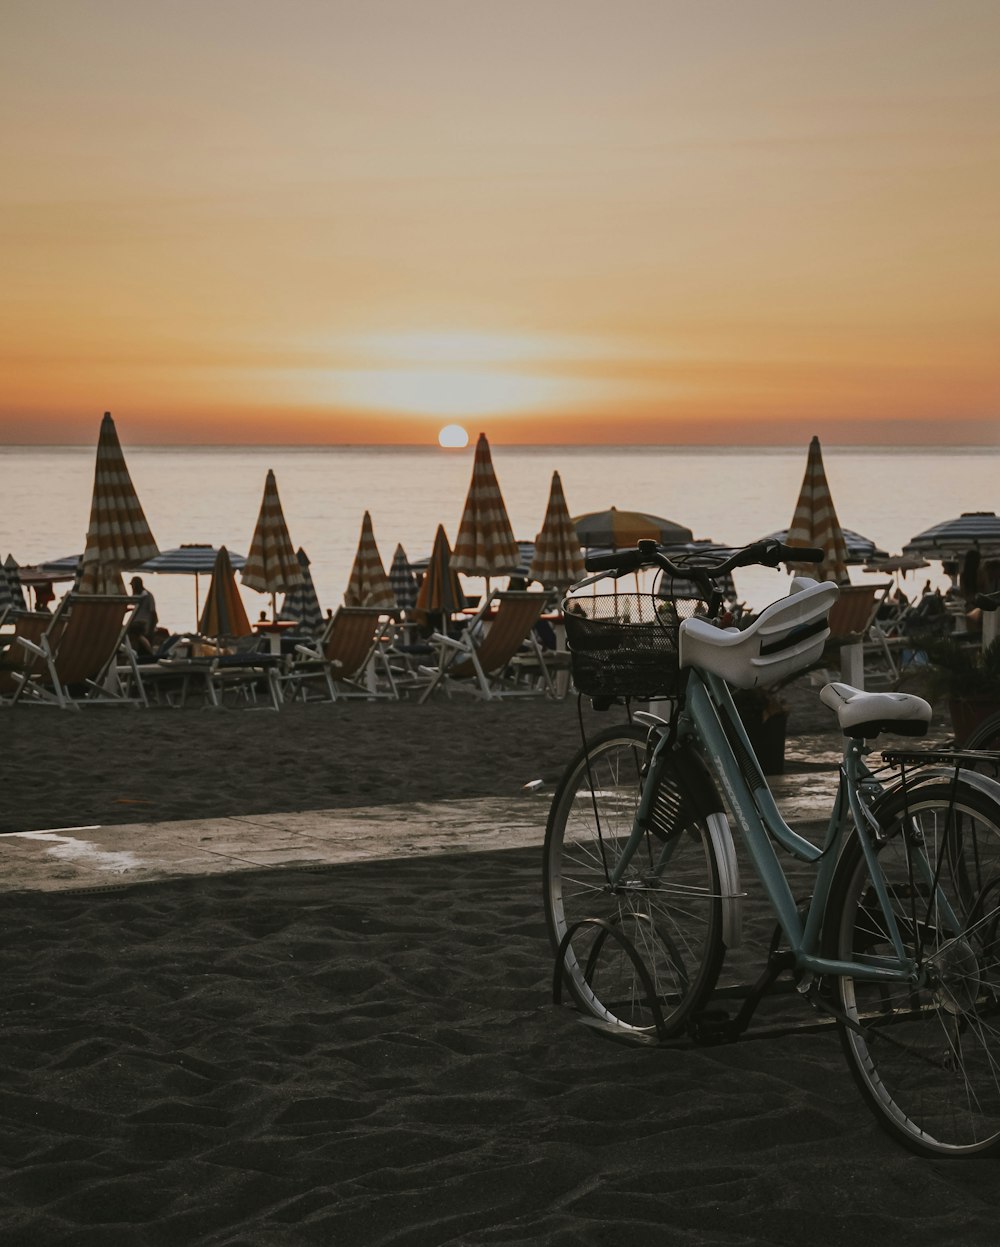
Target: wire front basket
[625, 644]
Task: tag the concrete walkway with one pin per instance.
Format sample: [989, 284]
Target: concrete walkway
[118, 854]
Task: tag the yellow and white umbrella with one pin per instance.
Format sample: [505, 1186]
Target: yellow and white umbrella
[485, 545]
[368, 584]
[118, 535]
[224, 613]
[558, 562]
[271, 566]
[815, 523]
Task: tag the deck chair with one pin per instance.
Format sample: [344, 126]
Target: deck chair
[864, 655]
[75, 660]
[479, 661]
[31, 626]
[347, 659]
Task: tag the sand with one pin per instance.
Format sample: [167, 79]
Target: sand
[368, 1053]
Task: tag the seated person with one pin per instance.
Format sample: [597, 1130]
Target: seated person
[143, 623]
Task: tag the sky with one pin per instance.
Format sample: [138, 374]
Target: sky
[648, 221]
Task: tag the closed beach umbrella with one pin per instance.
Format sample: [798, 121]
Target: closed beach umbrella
[118, 535]
[224, 613]
[614, 529]
[952, 539]
[403, 581]
[557, 561]
[368, 584]
[301, 605]
[11, 592]
[271, 565]
[440, 591]
[195, 559]
[485, 545]
[815, 523]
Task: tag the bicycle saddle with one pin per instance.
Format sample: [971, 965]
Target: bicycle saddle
[863, 715]
[786, 637]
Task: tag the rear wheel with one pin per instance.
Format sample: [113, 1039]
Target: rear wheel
[657, 948]
[926, 1053]
[986, 735]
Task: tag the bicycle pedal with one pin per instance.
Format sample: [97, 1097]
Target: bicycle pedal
[714, 1026]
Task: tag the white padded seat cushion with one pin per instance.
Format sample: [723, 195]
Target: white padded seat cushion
[875, 712]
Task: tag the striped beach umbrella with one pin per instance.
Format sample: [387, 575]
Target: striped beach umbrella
[440, 592]
[485, 545]
[815, 523]
[118, 535]
[301, 605]
[195, 559]
[403, 581]
[368, 584]
[859, 549]
[557, 561]
[271, 565]
[224, 613]
[13, 594]
[616, 530]
[953, 539]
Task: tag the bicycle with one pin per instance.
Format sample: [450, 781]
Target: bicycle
[986, 735]
[899, 941]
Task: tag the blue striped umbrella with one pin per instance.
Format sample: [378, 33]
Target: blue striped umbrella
[195, 559]
[402, 580]
[301, 605]
[859, 549]
[953, 539]
[11, 593]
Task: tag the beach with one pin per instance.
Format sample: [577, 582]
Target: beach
[367, 1052]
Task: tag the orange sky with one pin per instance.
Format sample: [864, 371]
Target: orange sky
[322, 221]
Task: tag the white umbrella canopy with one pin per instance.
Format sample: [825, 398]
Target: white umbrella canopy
[119, 535]
[815, 523]
[368, 585]
[485, 545]
[557, 561]
[271, 566]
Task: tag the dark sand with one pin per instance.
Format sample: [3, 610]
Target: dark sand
[367, 1054]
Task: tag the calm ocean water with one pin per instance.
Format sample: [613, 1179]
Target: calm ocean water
[729, 495]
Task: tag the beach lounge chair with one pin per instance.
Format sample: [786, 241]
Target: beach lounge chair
[75, 659]
[348, 660]
[482, 659]
[30, 625]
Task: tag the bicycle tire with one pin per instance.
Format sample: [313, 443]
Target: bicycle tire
[926, 1056]
[673, 920]
[986, 735]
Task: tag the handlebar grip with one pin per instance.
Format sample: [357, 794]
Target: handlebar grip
[771, 553]
[620, 561]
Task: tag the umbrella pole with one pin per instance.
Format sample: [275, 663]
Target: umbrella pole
[274, 608]
[197, 604]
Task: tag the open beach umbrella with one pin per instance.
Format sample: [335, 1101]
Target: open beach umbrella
[815, 523]
[8, 604]
[118, 535]
[301, 605]
[271, 565]
[615, 530]
[896, 563]
[859, 549]
[403, 581]
[557, 561]
[485, 545]
[440, 592]
[195, 559]
[952, 539]
[224, 613]
[368, 584]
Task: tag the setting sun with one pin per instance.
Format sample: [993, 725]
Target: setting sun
[453, 437]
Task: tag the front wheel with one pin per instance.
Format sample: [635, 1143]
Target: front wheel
[664, 913]
[926, 1053]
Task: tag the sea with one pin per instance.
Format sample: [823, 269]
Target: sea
[731, 495]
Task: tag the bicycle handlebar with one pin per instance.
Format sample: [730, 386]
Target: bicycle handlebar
[649, 554]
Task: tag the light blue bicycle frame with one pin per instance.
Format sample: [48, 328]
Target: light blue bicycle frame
[709, 703]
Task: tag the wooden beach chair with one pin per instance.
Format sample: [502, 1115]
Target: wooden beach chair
[74, 661]
[29, 626]
[480, 660]
[349, 658]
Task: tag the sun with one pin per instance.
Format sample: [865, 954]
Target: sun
[453, 436]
